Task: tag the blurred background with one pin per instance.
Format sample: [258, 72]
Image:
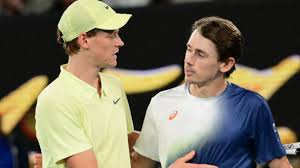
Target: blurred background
[151, 60]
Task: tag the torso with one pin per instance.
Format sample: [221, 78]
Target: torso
[217, 128]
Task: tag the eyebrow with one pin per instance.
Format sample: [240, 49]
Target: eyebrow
[109, 31]
[197, 50]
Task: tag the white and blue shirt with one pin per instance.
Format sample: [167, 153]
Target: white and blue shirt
[233, 130]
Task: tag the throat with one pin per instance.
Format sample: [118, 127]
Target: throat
[206, 91]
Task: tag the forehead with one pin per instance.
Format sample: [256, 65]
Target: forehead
[198, 42]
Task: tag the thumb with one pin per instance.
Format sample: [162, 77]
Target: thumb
[188, 156]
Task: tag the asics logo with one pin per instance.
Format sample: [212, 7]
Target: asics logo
[173, 115]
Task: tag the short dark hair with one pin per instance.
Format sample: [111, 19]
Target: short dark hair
[224, 34]
[72, 47]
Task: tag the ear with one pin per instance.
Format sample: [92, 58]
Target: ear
[226, 65]
[82, 40]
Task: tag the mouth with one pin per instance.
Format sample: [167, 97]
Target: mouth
[188, 71]
[116, 51]
[115, 54]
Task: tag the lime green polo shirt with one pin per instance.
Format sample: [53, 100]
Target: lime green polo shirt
[71, 118]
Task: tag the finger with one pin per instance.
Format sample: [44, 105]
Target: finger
[208, 166]
[188, 156]
[193, 165]
[37, 161]
[38, 156]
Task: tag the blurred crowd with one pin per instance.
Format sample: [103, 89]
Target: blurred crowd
[31, 7]
[36, 7]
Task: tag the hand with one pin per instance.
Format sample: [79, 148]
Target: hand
[132, 137]
[181, 162]
[37, 160]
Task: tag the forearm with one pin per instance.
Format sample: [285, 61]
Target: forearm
[139, 161]
[132, 137]
[280, 163]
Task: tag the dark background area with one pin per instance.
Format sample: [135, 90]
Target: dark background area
[155, 37]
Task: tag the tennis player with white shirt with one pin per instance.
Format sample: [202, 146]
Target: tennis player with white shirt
[209, 120]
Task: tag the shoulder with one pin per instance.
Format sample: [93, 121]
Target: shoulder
[246, 95]
[51, 91]
[54, 91]
[247, 102]
[57, 96]
[174, 92]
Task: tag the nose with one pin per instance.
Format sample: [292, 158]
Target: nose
[188, 58]
[119, 42]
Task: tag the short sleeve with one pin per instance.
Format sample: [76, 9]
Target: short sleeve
[147, 143]
[266, 139]
[59, 130]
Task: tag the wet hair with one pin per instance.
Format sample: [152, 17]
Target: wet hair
[224, 34]
[72, 47]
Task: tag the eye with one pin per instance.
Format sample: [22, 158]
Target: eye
[188, 49]
[113, 35]
[200, 54]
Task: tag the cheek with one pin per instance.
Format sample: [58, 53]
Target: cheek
[103, 50]
[108, 49]
[205, 67]
[104, 44]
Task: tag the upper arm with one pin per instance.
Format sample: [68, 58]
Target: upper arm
[266, 139]
[147, 143]
[59, 131]
[139, 161]
[280, 163]
[82, 160]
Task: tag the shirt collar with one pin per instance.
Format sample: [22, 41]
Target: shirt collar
[83, 87]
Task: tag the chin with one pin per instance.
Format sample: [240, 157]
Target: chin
[114, 65]
[111, 65]
[107, 66]
[188, 79]
[191, 80]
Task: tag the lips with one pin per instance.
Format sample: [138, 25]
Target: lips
[188, 71]
[115, 52]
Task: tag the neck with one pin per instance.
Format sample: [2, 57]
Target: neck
[211, 89]
[81, 68]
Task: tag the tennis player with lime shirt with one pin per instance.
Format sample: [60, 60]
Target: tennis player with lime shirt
[82, 117]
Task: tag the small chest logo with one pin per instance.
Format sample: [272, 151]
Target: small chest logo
[173, 115]
[116, 101]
